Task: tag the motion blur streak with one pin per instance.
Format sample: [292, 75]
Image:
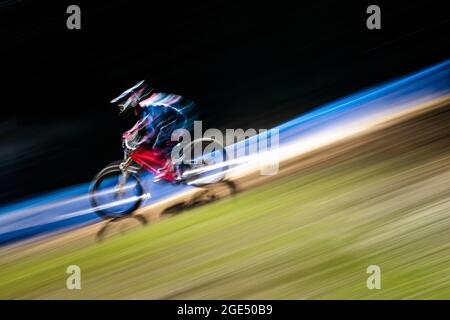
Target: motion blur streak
[328, 124]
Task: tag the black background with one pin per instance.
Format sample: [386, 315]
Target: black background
[246, 64]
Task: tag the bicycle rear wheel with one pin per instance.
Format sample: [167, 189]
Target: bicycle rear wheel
[206, 168]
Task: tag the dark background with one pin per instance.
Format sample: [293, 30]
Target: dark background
[246, 64]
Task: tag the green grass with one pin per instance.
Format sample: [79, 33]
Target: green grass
[311, 235]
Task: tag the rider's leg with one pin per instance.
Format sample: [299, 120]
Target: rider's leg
[164, 143]
[149, 158]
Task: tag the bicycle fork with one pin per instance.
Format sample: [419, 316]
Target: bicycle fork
[119, 189]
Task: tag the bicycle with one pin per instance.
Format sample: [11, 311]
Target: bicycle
[117, 191]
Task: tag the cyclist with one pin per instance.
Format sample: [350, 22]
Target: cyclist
[160, 114]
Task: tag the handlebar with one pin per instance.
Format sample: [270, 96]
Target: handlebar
[131, 142]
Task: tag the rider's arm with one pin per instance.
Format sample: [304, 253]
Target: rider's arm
[146, 129]
[142, 129]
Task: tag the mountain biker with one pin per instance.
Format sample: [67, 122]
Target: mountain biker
[160, 114]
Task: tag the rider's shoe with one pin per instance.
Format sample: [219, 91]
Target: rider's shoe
[167, 174]
[178, 174]
[162, 172]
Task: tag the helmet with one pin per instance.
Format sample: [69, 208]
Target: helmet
[131, 97]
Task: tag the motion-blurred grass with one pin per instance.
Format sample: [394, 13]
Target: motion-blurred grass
[310, 235]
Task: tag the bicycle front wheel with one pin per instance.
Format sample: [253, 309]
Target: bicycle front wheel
[114, 196]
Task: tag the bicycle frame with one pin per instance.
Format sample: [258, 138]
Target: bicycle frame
[153, 160]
